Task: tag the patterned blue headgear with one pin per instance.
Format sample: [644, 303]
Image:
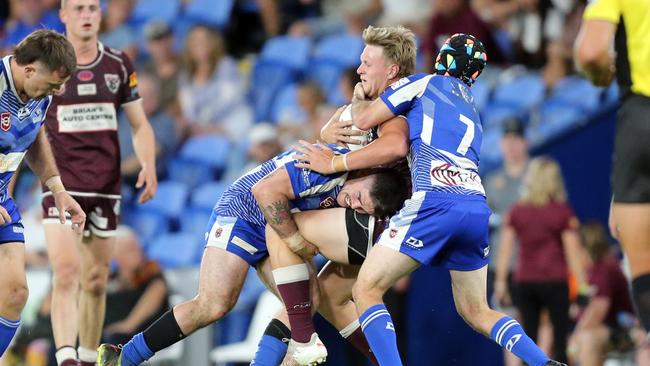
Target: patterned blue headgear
[462, 56]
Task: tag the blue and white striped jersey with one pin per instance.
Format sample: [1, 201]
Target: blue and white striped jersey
[312, 190]
[445, 132]
[19, 125]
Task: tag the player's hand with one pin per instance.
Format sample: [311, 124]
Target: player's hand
[359, 93]
[501, 295]
[65, 204]
[305, 250]
[5, 218]
[317, 158]
[338, 132]
[147, 179]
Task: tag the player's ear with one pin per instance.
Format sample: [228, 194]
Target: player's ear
[393, 71]
[29, 70]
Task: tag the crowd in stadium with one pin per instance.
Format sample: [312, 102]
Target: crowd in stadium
[229, 84]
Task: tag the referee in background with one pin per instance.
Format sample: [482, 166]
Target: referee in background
[626, 25]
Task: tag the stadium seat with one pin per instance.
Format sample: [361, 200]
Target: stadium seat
[215, 13]
[481, 91]
[163, 10]
[206, 195]
[266, 307]
[175, 250]
[493, 115]
[286, 103]
[557, 118]
[201, 159]
[577, 92]
[194, 221]
[281, 62]
[522, 93]
[330, 58]
[170, 200]
[147, 225]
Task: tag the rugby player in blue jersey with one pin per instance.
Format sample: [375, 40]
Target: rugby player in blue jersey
[40, 64]
[235, 240]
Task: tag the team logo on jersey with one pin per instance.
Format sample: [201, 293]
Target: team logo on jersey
[112, 82]
[392, 233]
[23, 112]
[327, 202]
[133, 80]
[218, 232]
[85, 75]
[5, 121]
[414, 242]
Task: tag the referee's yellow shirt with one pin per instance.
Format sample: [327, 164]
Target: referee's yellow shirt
[632, 39]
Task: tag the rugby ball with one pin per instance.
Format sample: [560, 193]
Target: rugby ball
[364, 139]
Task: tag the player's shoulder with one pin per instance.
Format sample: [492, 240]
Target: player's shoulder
[113, 54]
[407, 80]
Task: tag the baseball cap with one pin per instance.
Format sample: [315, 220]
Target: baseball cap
[263, 132]
[156, 30]
[514, 126]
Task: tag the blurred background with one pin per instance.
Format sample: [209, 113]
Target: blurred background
[278, 69]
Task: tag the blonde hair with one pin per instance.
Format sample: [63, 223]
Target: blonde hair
[216, 42]
[543, 183]
[398, 44]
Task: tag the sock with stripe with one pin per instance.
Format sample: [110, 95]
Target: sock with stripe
[377, 326]
[510, 335]
[136, 351]
[7, 331]
[273, 345]
[293, 286]
[353, 334]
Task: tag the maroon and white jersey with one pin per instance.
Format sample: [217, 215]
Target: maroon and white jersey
[81, 123]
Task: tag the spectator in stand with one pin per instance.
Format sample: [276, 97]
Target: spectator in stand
[164, 64]
[164, 128]
[212, 93]
[114, 30]
[338, 16]
[598, 328]
[456, 16]
[546, 228]
[306, 121]
[31, 15]
[138, 293]
[264, 144]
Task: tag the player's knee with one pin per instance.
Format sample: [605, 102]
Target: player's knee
[15, 297]
[96, 279]
[364, 289]
[66, 278]
[472, 312]
[213, 308]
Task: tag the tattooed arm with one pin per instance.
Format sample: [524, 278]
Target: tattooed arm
[273, 194]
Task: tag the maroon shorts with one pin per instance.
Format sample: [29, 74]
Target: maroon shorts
[102, 212]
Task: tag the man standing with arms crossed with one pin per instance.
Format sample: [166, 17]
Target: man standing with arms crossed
[626, 24]
[82, 129]
[41, 63]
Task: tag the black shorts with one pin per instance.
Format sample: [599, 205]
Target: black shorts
[632, 151]
[363, 231]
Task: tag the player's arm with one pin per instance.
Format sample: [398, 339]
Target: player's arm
[506, 247]
[273, 194]
[144, 144]
[390, 146]
[367, 115]
[593, 51]
[41, 161]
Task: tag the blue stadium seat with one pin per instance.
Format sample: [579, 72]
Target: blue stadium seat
[170, 200]
[194, 221]
[147, 224]
[556, 118]
[215, 13]
[282, 61]
[481, 90]
[164, 10]
[285, 103]
[521, 93]
[493, 115]
[331, 57]
[174, 250]
[578, 92]
[206, 195]
[201, 159]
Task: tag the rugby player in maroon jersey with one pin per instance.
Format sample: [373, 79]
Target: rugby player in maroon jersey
[81, 126]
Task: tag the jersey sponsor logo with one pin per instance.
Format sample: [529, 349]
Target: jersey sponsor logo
[5, 121]
[85, 75]
[327, 202]
[399, 83]
[9, 162]
[86, 117]
[512, 342]
[112, 82]
[445, 174]
[37, 115]
[18, 229]
[414, 242]
[87, 89]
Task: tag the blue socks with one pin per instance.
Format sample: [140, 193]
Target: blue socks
[7, 331]
[270, 351]
[377, 326]
[508, 334]
[136, 351]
